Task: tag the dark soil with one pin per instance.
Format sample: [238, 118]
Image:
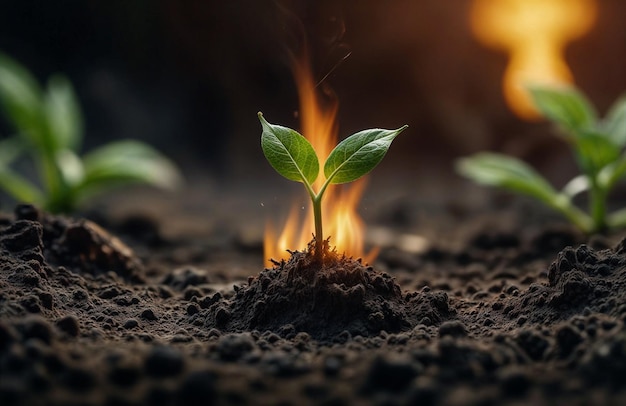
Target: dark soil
[530, 314]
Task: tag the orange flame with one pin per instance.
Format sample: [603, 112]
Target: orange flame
[534, 33]
[341, 221]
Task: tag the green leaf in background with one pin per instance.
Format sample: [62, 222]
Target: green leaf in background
[594, 151]
[614, 124]
[19, 187]
[63, 115]
[576, 186]
[612, 173]
[358, 154]
[127, 161]
[70, 167]
[12, 183]
[10, 150]
[20, 98]
[500, 170]
[289, 153]
[49, 130]
[565, 106]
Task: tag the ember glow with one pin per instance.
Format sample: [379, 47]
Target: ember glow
[534, 33]
[341, 221]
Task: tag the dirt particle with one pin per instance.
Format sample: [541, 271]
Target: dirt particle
[68, 325]
[159, 396]
[191, 293]
[282, 364]
[45, 299]
[533, 343]
[31, 304]
[78, 380]
[208, 301]
[181, 278]
[453, 328]
[197, 388]
[110, 293]
[130, 324]
[124, 374]
[232, 347]
[7, 335]
[22, 235]
[192, 309]
[214, 333]
[513, 382]
[148, 314]
[342, 337]
[571, 287]
[26, 276]
[567, 338]
[332, 365]
[425, 391]
[162, 362]
[287, 331]
[391, 373]
[27, 212]
[222, 316]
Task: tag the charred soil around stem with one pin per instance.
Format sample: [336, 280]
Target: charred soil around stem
[328, 298]
[512, 316]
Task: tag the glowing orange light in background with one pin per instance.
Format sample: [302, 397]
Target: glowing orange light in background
[534, 33]
[341, 221]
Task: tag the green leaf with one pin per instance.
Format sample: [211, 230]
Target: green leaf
[18, 187]
[614, 124]
[509, 173]
[124, 162]
[617, 219]
[289, 153]
[565, 106]
[20, 97]
[70, 167]
[576, 186]
[358, 154]
[63, 115]
[10, 150]
[594, 151]
[612, 173]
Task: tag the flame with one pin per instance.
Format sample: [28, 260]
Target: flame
[534, 33]
[341, 221]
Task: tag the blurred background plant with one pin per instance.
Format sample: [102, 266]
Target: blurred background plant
[48, 126]
[598, 148]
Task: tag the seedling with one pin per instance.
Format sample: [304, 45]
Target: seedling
[597, 145]
[292, 156]
[48, 125]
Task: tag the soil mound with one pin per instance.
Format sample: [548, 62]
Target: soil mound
[580, 280]
[74, 244]
[336, 299]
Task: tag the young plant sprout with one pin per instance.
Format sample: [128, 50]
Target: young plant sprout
[48, 129]
[292, 156]
[597, 144]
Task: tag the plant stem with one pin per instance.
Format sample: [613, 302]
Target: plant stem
[597, 207]
[53, 183]
[316, 200]
[319, 235]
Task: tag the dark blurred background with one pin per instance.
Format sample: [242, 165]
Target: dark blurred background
[189, 76]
